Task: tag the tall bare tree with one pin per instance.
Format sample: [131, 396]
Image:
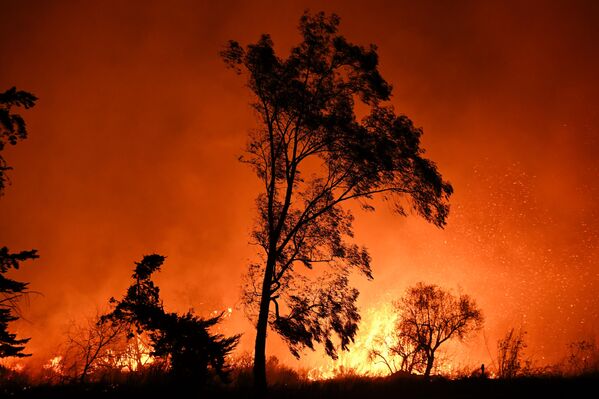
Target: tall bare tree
[430, 316]
[312, 154]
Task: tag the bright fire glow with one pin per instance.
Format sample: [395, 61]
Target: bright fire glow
[11, 364]
[376, 330]
[55, 365]
[136, 355]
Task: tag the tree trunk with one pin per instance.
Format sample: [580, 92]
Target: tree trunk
[260, 346]
[429, 366]
[83, 375]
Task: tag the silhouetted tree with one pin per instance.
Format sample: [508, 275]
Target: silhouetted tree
[312, 155]
[11, 291]
[12, 129]
[430, 316]
[183, 340]
[510, 350]
[12, 126]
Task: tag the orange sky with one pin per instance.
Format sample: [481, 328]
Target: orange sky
[134, 142]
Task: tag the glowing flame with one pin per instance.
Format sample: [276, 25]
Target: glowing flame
[125, 356]
[376, 329]
[131, 357]
[136, 355]
[371, 354]
[18, 367]
[54, 365]
[226, 314]
[11, 364]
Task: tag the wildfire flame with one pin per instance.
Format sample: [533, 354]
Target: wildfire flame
[370, 354]
[136, 355]
[11, 364]
[130, 356]
[376, 328]
[54, 365]
[226, 313]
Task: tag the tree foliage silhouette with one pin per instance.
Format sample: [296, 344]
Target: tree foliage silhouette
[12, 126]
[312, 154]
[184, 341]
[12, 129]
[11, 291]
[430, 316]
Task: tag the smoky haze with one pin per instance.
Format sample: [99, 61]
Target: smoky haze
[134, 142]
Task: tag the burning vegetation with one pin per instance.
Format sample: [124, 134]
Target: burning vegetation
[385, 355]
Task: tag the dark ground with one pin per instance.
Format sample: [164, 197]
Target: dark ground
[343, 388]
